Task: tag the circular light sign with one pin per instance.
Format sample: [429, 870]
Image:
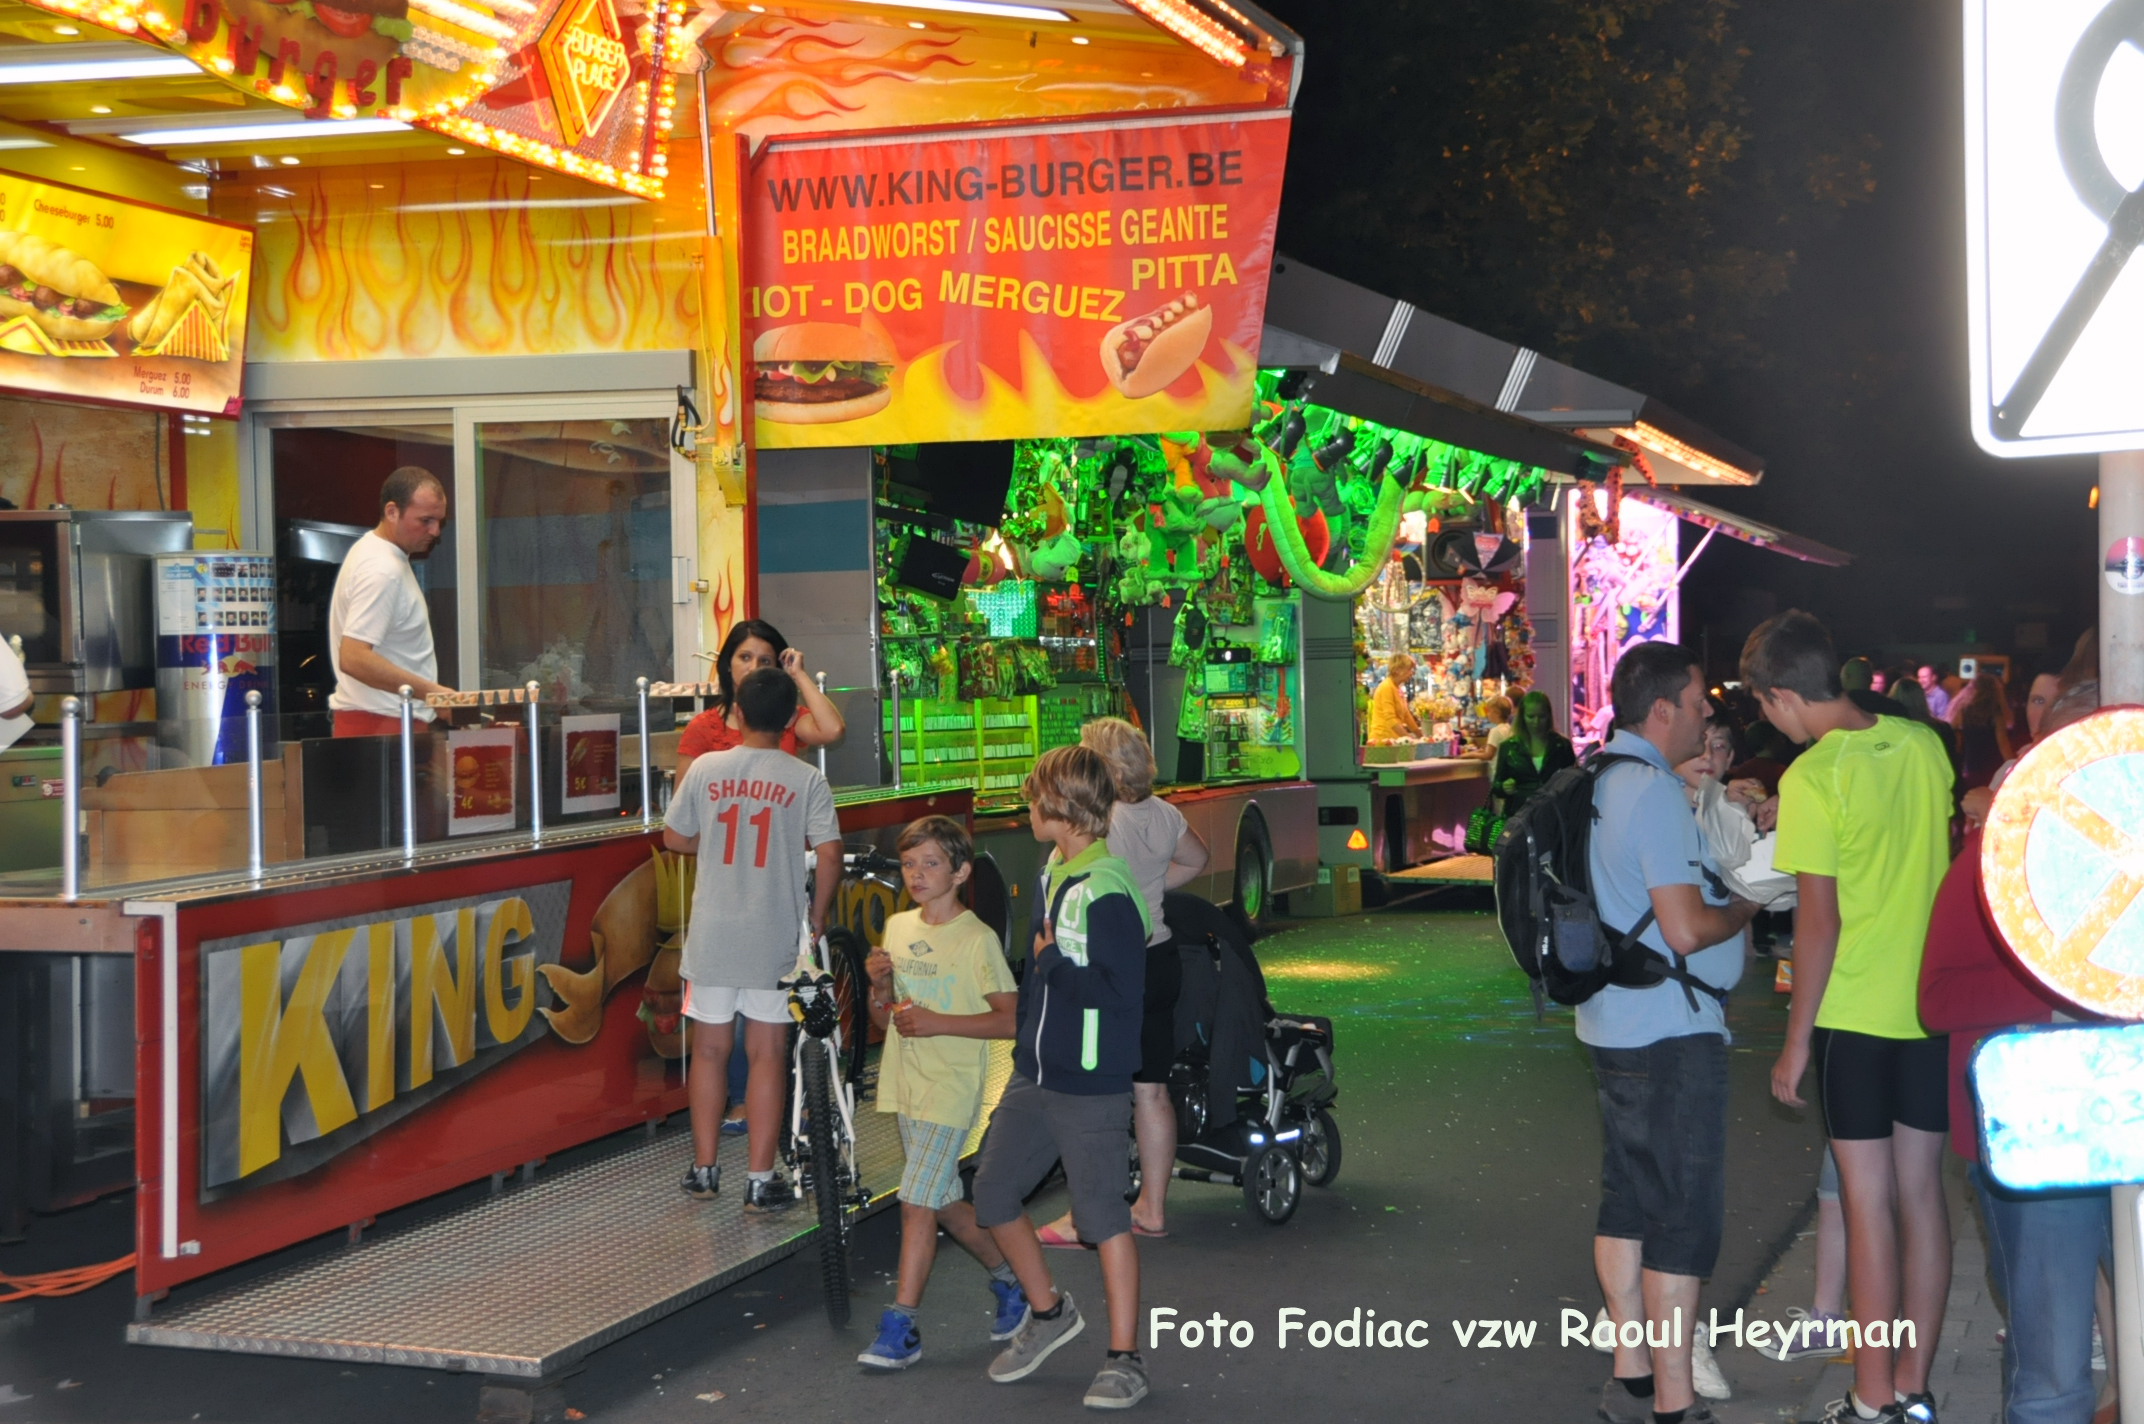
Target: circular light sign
[2062, 863]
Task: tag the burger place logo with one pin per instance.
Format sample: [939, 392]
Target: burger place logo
[585, 58]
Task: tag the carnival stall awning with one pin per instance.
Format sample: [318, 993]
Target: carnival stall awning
[1320, 325]
[1501, 376]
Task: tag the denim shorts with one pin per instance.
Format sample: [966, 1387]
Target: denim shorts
[1664, 1150]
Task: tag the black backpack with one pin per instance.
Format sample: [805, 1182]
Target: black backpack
[1545, 907]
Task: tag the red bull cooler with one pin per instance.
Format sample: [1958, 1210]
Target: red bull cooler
[215, 642]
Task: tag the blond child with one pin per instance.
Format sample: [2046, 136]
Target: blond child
[940, 988]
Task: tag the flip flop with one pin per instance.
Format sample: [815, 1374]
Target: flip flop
[1049, 1236]
[1138, 1230]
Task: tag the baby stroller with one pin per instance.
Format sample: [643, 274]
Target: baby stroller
[1252, 1088]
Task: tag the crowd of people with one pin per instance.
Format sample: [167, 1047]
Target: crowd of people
[1832, 789]
[940, 989]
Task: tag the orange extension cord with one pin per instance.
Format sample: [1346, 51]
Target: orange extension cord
[72, 1281]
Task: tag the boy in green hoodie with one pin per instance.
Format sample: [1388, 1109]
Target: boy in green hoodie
[1069, 1099]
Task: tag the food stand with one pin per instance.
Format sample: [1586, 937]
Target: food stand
[508, 244]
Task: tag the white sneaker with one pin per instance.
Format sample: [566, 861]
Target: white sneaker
[1594, 1338]
[1705, 1376]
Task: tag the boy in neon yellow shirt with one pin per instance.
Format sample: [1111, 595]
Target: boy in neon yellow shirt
[1864, 824]
[940, 988]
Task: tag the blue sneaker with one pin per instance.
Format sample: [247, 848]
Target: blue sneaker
[1012, 1309]
[899, 1343]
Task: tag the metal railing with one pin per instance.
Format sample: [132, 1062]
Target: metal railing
[72, 713]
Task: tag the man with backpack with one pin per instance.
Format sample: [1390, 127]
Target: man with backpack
[1656, 1032]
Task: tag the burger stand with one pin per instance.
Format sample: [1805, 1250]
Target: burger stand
[505, 242]
[1561, 592]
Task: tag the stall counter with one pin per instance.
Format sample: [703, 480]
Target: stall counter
[480, 1007]
[1419, 809]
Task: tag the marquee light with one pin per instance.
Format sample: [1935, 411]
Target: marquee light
[1653, 439]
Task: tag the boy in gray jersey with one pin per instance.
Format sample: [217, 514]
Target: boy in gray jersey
[759, 820]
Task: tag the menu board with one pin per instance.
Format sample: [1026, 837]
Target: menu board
[110, 300]
[590, 758]
[484, 780]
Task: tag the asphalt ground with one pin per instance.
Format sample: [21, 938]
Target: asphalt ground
[1466, 1194]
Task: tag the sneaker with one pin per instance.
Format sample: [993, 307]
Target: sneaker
[734, 1127]
[899, 1343]
[1705, 1376]
[771, 1195]
[702, 1182]
[1842, 1411]
[1920, 1408]
[1120, 1384]
[1011, 1309]
[2099, 1351]
[1809, 1343]
[1035, 1341]
[1594, 1335]
[1620, 1406]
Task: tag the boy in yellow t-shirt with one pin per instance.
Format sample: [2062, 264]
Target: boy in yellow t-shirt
[940, 988]
[1864, 825]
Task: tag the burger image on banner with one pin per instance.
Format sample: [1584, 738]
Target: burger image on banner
[822, 373]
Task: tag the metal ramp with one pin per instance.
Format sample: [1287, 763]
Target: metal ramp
[1452, 870]
[407, 1296]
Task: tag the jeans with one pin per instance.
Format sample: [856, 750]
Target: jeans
[1664, 1150]
[2044, 1250]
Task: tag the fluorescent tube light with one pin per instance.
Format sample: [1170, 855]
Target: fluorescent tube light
[59, 70]
[262, 133]
[23, 143]
[992, 8]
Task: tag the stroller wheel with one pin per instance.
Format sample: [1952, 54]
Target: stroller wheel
[1136, 1176]
[1272, 1183]
[1319, 1149]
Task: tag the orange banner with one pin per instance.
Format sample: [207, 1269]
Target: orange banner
[1095, 278]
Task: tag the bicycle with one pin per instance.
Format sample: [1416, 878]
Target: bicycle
[821, 1142]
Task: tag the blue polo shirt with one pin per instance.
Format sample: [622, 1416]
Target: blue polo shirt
[1646, 836]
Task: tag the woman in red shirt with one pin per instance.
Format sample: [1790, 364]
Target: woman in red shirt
[750, 646]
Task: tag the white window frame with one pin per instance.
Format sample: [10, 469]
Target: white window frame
[464, 414]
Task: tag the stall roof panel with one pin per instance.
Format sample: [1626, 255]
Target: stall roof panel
[1739, 526]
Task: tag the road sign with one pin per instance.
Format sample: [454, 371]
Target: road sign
[2054, 145]
[2063, 1107]
[2062, 863]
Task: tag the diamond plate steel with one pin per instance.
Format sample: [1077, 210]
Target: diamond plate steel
[523, 1284]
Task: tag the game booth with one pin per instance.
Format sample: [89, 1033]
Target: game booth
[687, 307]
[1545, 539]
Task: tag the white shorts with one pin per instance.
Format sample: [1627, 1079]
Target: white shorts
[713, 1004]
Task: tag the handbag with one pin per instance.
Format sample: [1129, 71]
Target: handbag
[1483, 828]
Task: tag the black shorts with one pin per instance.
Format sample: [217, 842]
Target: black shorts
[1157, 1029]
[1866, 1083]
[1664, 1150]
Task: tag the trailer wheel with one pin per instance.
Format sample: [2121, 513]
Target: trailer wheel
[1254, 872]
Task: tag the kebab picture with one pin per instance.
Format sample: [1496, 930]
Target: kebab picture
[188, 317]
[61, 293]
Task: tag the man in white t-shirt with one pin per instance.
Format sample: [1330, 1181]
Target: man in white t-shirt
[15, 697]
[379, 630]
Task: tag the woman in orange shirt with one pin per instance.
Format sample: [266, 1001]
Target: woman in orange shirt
[750, 646]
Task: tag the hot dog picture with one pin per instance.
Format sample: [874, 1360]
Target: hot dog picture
[821, 372]
[63, 294]
[1144, 356]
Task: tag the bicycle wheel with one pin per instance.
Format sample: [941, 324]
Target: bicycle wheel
[845, 961]
[827, 1187]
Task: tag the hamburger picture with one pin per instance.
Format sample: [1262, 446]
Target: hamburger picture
[349, 19]
[1145, 356]
[63, 293]
[821, 373]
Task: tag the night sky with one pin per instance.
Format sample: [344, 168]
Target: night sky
[1855, 392]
